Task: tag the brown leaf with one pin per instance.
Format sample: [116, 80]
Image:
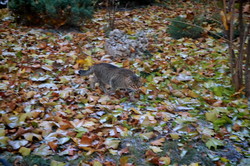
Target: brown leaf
[86, 141]
[123, 151]
[246, 8]
[190, 15]
[236, 127]
[150, 153]
[53, 145]
[22, 131]
[42, 45]
[177, 93]
[218, 103]
[158, 142]
[109, 163]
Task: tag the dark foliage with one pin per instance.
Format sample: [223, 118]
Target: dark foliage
[126, 3]
[181, 27]
[135, 2]
[51, 12]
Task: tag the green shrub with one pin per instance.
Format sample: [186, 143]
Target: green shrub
[127, 3]
[181, 27]
[51, 12]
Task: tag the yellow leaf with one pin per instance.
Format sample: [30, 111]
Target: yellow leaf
[113, 152]
[80, 61]
[112, 143]
[211, 116]
[3, 141]
[97, 163]
[155, 149]
[124, 160]
[192, 94]
[194, 164]
[87, 62]
[30, 94]
[30, 136]
[24, 151]
[146, 122]
[223, 159]
[147, 135]
[174, 136]
[22, 118]
[57, 163]
[130, 32]
[177, 93]
[136, 111]
[164, 160]
[2, 132]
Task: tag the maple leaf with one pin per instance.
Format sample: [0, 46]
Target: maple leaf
[212, 142]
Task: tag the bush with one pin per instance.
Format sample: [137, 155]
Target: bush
[51, 12]
[181, 27]
[127, 3]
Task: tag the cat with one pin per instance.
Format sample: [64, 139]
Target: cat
[115, 77]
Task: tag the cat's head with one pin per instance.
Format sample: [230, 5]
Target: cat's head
[135, 82]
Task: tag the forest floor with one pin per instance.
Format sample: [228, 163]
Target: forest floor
[187, 112]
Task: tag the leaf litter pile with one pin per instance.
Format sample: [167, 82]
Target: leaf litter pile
[186, 113]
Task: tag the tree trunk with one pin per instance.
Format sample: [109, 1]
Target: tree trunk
[239, 63]
[233, 59]
[247, 73]
[111, 10]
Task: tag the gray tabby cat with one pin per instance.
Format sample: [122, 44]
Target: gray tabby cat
[115, 77]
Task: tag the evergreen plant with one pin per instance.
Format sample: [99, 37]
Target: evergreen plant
[51, 12]
[181, 27]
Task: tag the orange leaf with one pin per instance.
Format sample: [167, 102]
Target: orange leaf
[87, 141]
[53, 145]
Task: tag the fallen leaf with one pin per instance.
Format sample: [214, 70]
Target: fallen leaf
[158, 142]
[112, 143]
[24, 151]
[155, 149]
[212, 142]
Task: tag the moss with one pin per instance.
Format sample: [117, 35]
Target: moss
[195, 152]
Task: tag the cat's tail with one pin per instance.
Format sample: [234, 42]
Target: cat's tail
[86, 72]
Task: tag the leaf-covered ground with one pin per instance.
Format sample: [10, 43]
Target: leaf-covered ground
[186, 113]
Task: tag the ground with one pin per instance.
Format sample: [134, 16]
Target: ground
[186, 112]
